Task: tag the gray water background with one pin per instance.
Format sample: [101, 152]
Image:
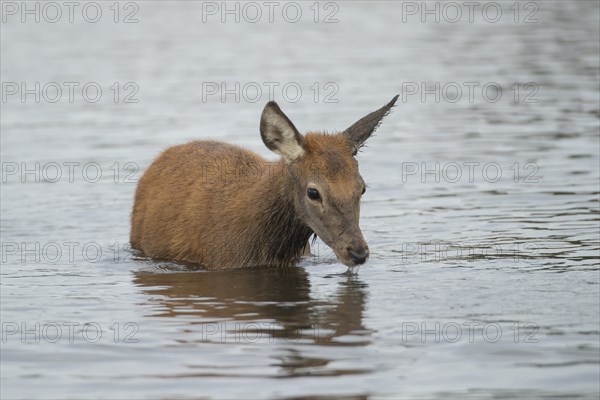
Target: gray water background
[455, 262]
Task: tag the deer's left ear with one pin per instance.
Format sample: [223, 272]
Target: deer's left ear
[279, 134]
[362, 129]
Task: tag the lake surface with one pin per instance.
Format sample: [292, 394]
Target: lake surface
[482, 212]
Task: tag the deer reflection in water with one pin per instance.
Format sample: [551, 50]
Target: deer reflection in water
[263, 306]
[272, 301]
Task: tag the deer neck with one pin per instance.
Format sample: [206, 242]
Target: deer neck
[283, 236]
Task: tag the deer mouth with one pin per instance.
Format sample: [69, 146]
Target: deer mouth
[353, 255]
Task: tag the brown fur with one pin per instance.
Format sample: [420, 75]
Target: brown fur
[222, 206]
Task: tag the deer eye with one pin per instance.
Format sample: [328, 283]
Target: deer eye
[313, 194]
[364, 190]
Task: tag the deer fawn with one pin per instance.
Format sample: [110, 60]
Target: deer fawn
[222, 206]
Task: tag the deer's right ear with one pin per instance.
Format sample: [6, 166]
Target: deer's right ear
[279, 134]
[362, 129]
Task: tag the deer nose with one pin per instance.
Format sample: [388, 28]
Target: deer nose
[358, 255]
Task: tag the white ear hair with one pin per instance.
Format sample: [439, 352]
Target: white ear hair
[279, 134]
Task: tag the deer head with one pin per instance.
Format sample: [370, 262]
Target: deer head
[323, 175]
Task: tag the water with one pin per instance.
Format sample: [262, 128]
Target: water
[478, 286]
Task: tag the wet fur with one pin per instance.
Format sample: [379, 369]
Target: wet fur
[218, 205]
